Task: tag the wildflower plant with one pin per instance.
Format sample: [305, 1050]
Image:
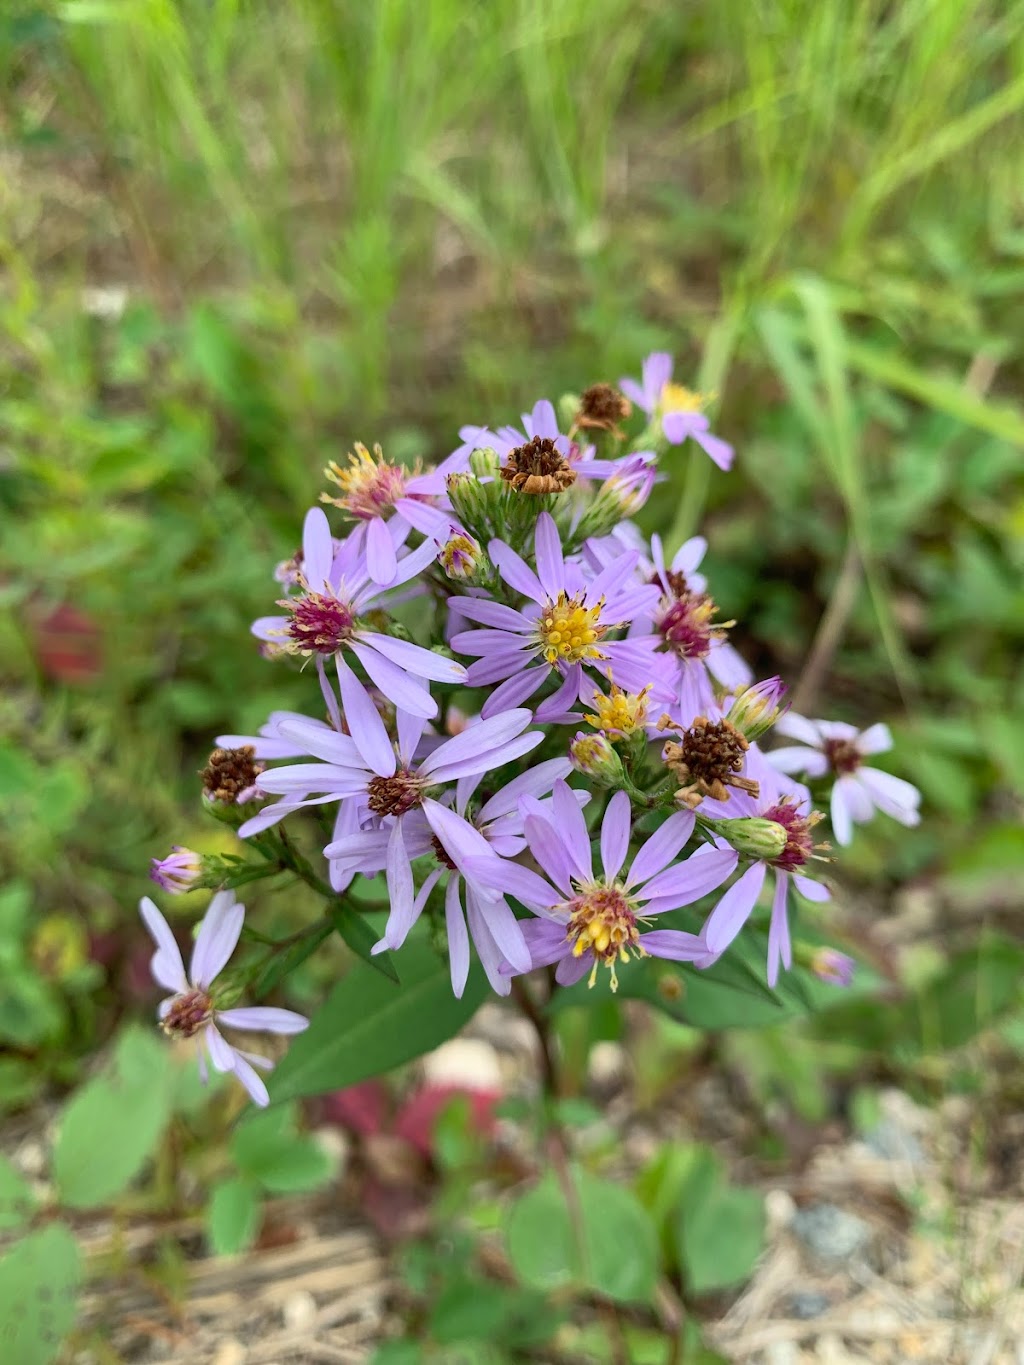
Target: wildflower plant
[529, 744]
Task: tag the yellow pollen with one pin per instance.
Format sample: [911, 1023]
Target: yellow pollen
[368, 486]
[603, 922]
[678, 398]
[621, 713]
[569, 631]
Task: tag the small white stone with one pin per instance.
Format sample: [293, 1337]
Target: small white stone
[230, 1352]
[298, 1310]
[335, 1142]
[467, 1062]
[106, 302]
[779, 1207]
[607, 1063]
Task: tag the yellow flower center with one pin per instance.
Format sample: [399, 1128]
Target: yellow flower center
[369, 486]
[569, 631]
[621, 713]
[602, 921]
[678, 398]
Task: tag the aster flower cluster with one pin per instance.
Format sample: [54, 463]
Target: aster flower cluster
[529, 723]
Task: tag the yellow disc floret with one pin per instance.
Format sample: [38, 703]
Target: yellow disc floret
[568, 631]
[603, 921]
[678, 398]
[621, 713]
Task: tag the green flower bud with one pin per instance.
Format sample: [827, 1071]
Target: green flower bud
[755, 709]
[754, 838]
[594, 757]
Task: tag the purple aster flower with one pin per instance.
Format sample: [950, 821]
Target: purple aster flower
[178, 872]
[832, 746]
[326, 618]
[191, 1011]
[833, 967]
[563, 627]
[784, 803]
[452, 836]
[677, 408]
[684, 626]
[389, 499]
[587, 919]
[387, 779]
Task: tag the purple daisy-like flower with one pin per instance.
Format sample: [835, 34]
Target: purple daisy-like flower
[832, 746]
[562, 629]
[385, 779]
[178, 872]
[587, 919]
[454, 834]
[678, 409]
[684, 626]
[326, 618]
[389, 500]
[190, 1012]
[784, 803]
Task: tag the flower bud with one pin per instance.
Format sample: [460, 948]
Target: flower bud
[833, 967]
[594, 757]
[178, 872]
[460, 556]
[755, 709]
[620, 713]
[754, 838]
[630, 486]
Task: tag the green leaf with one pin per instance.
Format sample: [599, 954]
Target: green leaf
[369, 1025]
[38, 1285]
[233, 1216]
[112, 1125]
[283, 963]
[17, 1201]
[720, 1228]
[267, 1148]
[361, 937]
[475, 1309]
[548, 1251]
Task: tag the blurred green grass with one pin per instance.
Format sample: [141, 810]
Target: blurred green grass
[238, 236]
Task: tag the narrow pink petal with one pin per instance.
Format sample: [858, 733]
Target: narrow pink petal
[616, 828]
[572, 829]
[489, 760]
[549, 850]
[663, 845]
[778, 930]
[490, 613]
[515, 571]
[533, 782]
[222, 1054]
[381, 560]
[720, 451]
[317, 549]
[513, 880]
[395, 683]
[263, 1019]
[368, 731]
[701, 873]
[166, 965]
[515, 690]
[400, 890]
[216, 940]
[506, 932]
[458, 936]
[253, 1083]
[674, 944]
[733, 910]
[417, 660]
[811, 890]
[311, 737]
[634, 393]
[875, 740]
[459, 839]
[548, 552]
[475, 739]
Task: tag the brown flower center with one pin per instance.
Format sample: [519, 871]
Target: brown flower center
[395, 795]
[441, 854]
[320, 624]
[707, 759]
[602, 407]
[843, 755]
[538, 467]
[190, 1011]
[230, 775]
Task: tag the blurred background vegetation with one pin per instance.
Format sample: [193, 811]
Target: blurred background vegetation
[236, 237]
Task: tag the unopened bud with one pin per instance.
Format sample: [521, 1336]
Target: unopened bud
[753, 837]
[619, 714]
[833, 967]
[755, 709]
[594, 757]
[178, 872]
[460, 556]
[630, 486]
